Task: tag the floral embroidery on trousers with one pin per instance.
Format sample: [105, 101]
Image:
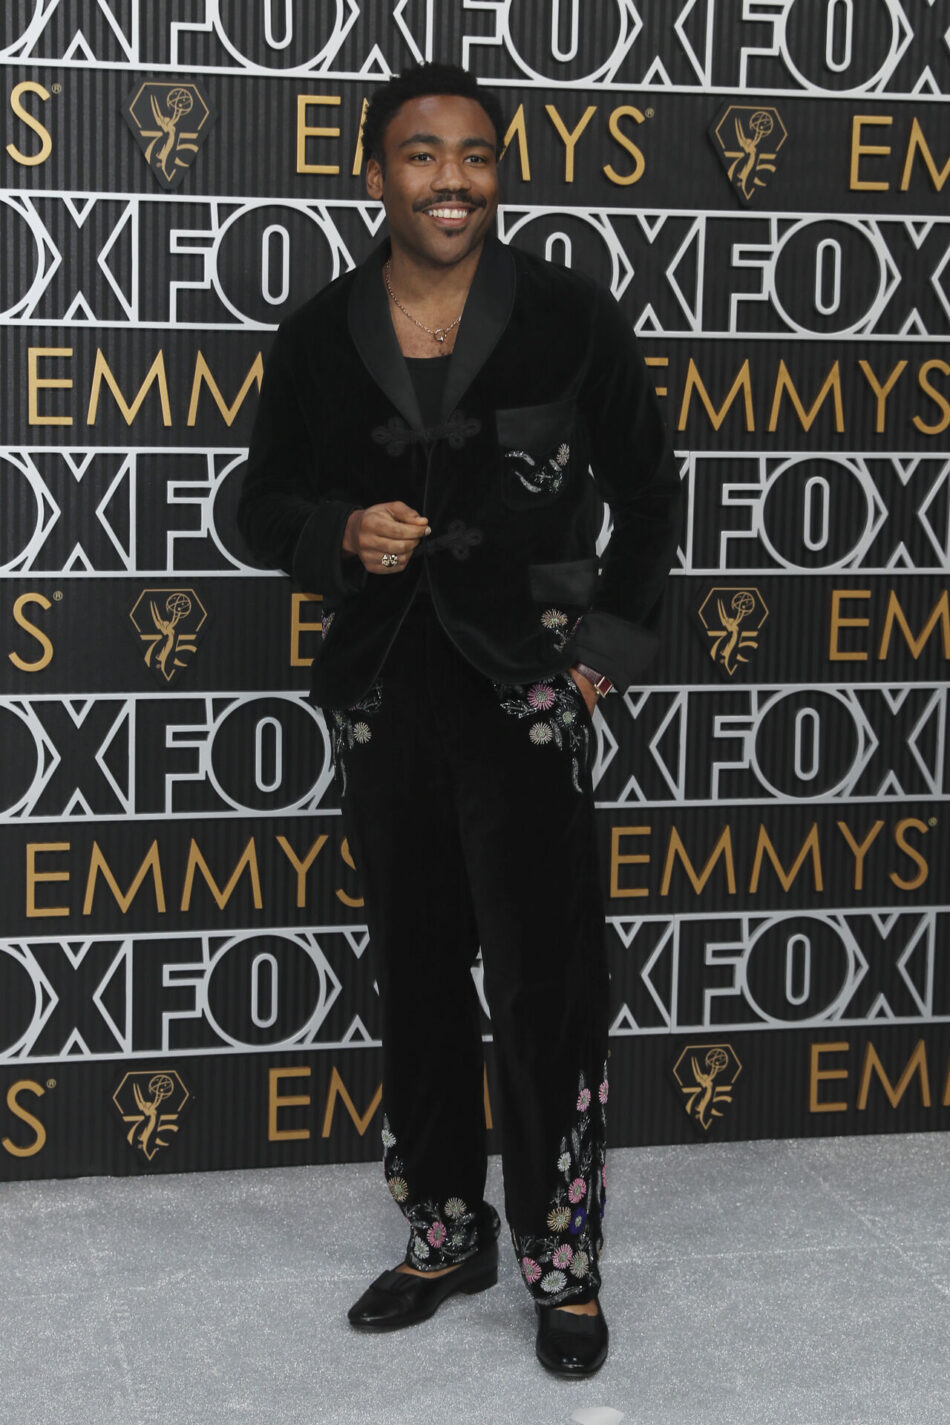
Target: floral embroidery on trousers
[562, 1263]
[552, 704]
[441, 1233]
[351, 727]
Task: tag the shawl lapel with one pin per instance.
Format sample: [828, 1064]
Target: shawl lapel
[375, 340]
[487, 313]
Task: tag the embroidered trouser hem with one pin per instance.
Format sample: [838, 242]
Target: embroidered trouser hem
[444, 1237]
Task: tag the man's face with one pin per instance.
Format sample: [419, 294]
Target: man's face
[440, 185]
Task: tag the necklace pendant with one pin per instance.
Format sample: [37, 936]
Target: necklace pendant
[440, 334]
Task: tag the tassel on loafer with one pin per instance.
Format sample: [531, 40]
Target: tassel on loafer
[569, 1344]
[397, 1299]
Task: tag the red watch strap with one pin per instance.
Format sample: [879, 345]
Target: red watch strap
[602, 684]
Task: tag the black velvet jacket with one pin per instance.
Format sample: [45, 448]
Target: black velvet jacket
[546, 383]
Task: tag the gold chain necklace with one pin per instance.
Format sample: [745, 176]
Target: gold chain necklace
[440, 333]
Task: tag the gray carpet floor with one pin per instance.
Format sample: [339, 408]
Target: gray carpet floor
[790, 1282]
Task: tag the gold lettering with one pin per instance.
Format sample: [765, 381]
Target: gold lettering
[302, 867]
[36, 383]
[723, 848]
[938, 398]
[337, 1090]
[694, 382]
[197, 862]
[35, 877]
[102, 372]
[859, 851]
[939, 614]
[858, 148]
[31, 1121]
[916, 1064]
[618, 859]
[299, 625]
[663, 361]
[358, 153]
[818, 1075]
[835, 653]
[569, 139]
[30, 160]
[307, 131]
[918, 144]
[355, 902]
[276, 1101]
[517, 129]
[881, 393]
[624, 180]
[900, 837]
[784, 382]
[46, 656]
[151, 862]
[809, 847]
[203, 374]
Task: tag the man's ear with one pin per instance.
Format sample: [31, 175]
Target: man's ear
[374, 179]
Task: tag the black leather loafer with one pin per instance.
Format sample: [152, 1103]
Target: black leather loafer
[569, 1344]
[398, 1299]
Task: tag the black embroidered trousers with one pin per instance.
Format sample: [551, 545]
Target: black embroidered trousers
[470, 814]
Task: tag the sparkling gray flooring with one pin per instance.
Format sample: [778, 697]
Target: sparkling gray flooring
[766, 1282]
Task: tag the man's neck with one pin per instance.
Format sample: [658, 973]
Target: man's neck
[433, 285]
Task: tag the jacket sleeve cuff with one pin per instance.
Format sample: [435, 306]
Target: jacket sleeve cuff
[618, 649]
[318, 562]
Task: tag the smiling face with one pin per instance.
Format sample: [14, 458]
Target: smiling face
[440, 182]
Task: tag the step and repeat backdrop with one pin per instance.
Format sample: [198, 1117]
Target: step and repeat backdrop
[763, 186]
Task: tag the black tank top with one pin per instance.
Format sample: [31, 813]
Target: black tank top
[429, 375]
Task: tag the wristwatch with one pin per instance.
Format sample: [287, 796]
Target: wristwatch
[602, 684]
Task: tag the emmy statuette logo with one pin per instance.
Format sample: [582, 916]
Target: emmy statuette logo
[732, 618]
[749, 139]
[168, 622]
[706, 1074]
[150, 1102]
[170, 122]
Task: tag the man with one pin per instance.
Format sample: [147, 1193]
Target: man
[421, 457]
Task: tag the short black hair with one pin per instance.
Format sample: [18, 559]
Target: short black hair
[415, 83]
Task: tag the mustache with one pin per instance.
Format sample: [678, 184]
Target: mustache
[442, 199]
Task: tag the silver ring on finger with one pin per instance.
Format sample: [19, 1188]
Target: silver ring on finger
[389, 561]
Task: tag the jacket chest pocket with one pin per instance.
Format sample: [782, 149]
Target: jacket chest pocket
[536, 452]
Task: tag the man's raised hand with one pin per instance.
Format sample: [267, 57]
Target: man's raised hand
[384, 537]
